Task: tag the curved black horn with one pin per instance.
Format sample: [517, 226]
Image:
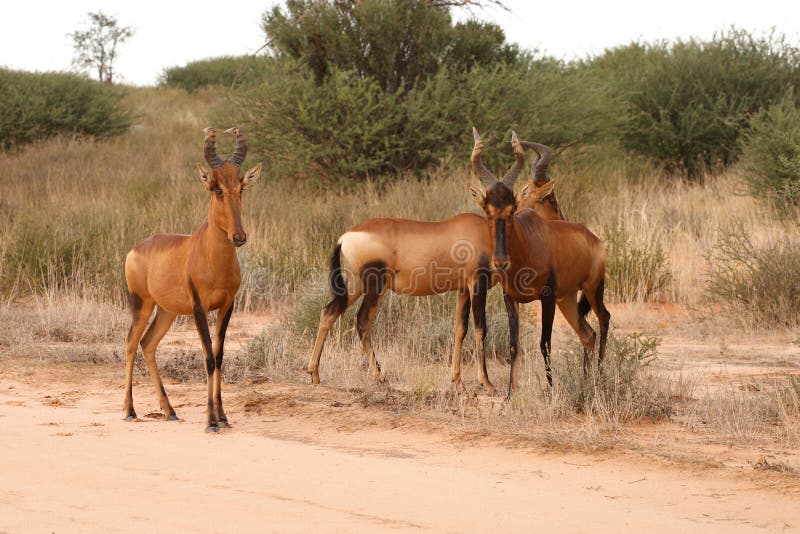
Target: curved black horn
[241, 146]
[519, 163]
[487, 178]
[539, 167]
[210, 148]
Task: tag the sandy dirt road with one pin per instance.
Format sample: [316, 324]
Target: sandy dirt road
[69, 463]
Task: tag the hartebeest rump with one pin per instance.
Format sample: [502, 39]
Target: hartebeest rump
[191, 275]
[417, 258]
[540, 259]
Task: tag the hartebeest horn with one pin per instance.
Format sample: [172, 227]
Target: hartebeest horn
[487, 178]
[519, 163]
[210, 148]
[241, 146]
[539, 167]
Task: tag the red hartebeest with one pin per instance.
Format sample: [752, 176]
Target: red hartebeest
[540, 259]
[418, 258]
[191, 275]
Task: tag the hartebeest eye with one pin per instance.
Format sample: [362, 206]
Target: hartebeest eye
[218, 191]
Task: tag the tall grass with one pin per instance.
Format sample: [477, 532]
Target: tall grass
[103, 197]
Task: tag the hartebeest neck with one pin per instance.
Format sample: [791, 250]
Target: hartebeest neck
[217, 243]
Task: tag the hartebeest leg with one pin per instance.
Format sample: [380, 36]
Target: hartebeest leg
[140, 312]
[373, 280]
[568, 305]
[201, 323]
[366, 315]
[512, 309]
[150, 341]
[603, 318]
[222, 326]
[330, 313]
[479, 290]
[461, 326]
[548, 315]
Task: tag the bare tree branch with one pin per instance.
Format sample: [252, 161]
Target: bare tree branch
[96, 47]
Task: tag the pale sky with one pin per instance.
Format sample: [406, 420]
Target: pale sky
[171, 32]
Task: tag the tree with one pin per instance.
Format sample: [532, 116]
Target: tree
[397, 43]
[96, 47]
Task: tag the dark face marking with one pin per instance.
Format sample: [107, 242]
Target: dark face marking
[226, 192]
[500, 196]
[500, 205]
[500, 250]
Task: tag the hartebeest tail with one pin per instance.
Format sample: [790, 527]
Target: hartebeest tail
[540, 259]
[191, 275]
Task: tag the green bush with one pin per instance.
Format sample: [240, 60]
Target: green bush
[771, 153]
[343, 129]
[688, 102]
[36, 106]
[759, 285]
[381, 87]
[225, 71]
[637, 269]
[396, 43]
[349, 129]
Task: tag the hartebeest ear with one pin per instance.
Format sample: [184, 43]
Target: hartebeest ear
[205, 176]
[538, 193]
[250, 176]
[477, 194]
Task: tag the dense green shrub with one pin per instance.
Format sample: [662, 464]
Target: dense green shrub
[771, 153]
[688, 102]
[344, 128]
[36, 106]
[397, 43]
[225, 71]
[348, 128]
[759, 285]
[381, 87]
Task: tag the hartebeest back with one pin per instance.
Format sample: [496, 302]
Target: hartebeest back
[416, 258]
[540, 259]
[191, 275]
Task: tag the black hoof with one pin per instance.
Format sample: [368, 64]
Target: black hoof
[223, 423]
[173, 417]
[130, 418]
[212, 429]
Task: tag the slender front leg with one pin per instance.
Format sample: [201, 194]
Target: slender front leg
[480, 288]
[222, 326]
[512, 309]
[201, 323]
[462, 323]
[548, 314]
